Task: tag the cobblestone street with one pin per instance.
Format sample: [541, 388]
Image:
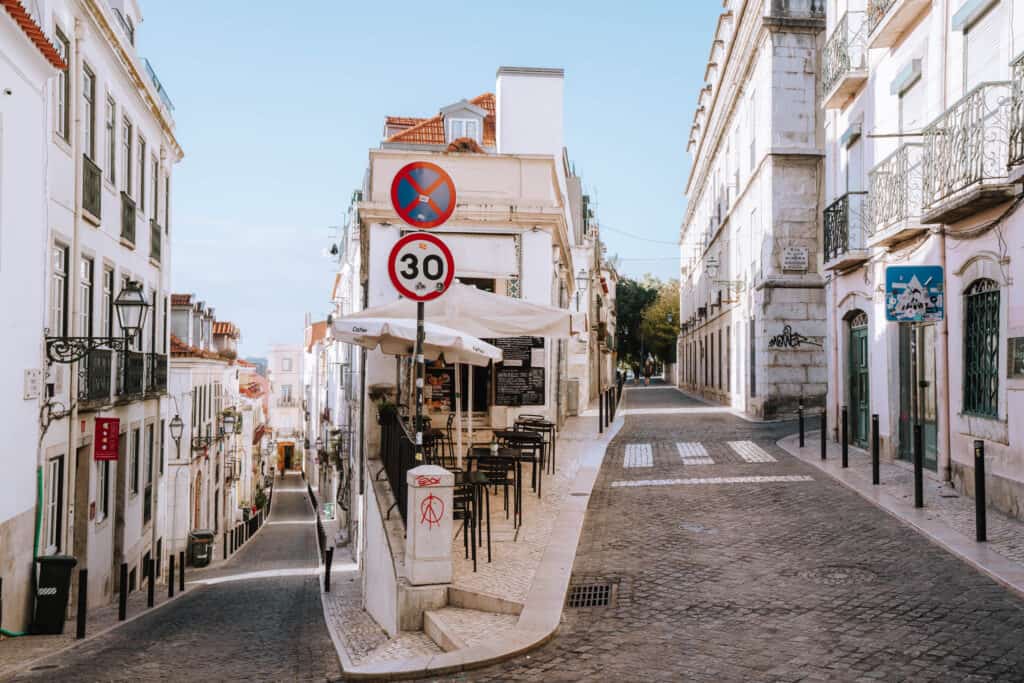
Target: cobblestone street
[765, 570]
[259, 619]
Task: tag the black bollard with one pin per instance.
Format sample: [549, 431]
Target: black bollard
[327, 569]
[225, 545]
[800, 421]
[824, 432]
[170, 576]
[181, 572]
[845, 436]
[980, 518]
[122, 601]
[600, 414]
[151, 581]
[918, 468]
[83, 602]
[875, 465]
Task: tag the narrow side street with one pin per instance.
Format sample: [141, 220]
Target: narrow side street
[764, 569]
[259, 618]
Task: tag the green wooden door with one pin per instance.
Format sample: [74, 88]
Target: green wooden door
[860, 410]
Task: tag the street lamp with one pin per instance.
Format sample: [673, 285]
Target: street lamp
[582, 279]
[176, 427]
[131, 307]
[229, 422]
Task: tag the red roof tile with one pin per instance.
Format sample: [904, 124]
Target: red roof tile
[34, 33]
[181, 299]
[225, 327]
[315, 333]
[431, 131]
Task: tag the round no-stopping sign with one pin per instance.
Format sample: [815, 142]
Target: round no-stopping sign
[421, 266]
[423, 194]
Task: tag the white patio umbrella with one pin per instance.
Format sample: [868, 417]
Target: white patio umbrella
[397, 336]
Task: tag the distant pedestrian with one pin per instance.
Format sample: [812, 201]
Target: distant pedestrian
[648, 371]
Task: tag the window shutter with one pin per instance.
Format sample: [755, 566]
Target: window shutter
[983, 48]
[912, 103]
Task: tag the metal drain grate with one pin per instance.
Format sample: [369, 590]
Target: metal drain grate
[590, 595]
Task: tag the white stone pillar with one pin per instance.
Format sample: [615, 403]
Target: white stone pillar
[428, 534]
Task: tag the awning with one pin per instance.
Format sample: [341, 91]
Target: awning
[481, 313]
[397, 337]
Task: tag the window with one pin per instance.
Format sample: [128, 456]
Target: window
[126, 156]
[102, 490]
[133, 464]
[62, 122]
[59, 292]
[167, 204]
[286, 364]
[54, 504]
[981, 349]
[154, 178]
[85, 298]
[463, 128]
[88, 112]
[983, 45]
[111, 126]
[147, 500]
[142, 174]
[286, 393]
[107, 305]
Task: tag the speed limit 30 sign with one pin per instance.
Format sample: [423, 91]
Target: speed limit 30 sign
[421, 266]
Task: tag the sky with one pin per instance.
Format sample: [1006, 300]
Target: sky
[277, 104]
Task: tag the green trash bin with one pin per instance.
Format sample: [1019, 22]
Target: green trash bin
[53, 586]
[200, 547]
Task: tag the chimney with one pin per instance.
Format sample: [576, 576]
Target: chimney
[529, 110]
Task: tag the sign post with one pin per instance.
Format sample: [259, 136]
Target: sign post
[423, 195]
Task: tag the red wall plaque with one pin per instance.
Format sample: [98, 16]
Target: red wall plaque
[106, 437]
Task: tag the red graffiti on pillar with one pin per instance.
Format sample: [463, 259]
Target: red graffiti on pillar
[431, 511]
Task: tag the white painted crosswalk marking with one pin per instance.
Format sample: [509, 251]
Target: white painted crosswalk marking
[638, 455]
[694, 453]
[712, 480]
[750, 451]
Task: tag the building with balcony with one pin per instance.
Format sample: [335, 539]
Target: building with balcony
[923, 167]
[207, 463]
[287, 407]
[104, 163]
[752, 304]
[29, 64]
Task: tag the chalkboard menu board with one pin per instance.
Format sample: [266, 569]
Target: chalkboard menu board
[439, 390]
[519, 378]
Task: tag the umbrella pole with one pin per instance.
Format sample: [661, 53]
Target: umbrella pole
[469, 407]
[458, 409]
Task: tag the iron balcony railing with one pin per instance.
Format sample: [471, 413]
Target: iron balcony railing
[968, 144]
[1017, 114]
[845, 50]
[94, 373]
[132, 373]
[844, 225]
[894, 188]
[798, 9]
[156, 377]
[398, 455]
[876, 11]
[92, 182]
[154, 240]
[127, 218]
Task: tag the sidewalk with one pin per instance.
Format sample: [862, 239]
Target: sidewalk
[508, 606]
[947, 518]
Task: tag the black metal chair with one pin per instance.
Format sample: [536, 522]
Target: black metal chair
[500, 472]
[463, 508]
[538, 424]
[530, 445]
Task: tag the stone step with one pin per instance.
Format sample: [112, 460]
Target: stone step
[454, 628]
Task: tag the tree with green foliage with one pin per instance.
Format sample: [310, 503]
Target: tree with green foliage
[659, 324]
[631, 298]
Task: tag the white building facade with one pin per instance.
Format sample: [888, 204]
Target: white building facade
[925, 143]
[287, 412]
[752, 302]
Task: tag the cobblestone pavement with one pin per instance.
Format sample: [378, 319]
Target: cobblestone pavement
[261, 621]
[761, 580]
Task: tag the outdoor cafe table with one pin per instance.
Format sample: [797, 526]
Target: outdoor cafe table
[529, 440]
[508, 455]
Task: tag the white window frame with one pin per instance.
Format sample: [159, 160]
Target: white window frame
[59, 322]
[126, 155]
[133, 471]
[102, 490]
[286, 365]
[111, 128]
[63, 86]
[54, 503]
[89, 111]
[142, 175]
[463, 128]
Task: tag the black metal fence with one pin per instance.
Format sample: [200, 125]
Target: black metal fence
[398, 455]
[94, 376]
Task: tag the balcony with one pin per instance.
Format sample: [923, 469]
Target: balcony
[287, 403]
[894, 188]
[94, 372]
[92, 182]
[127, 218]
[796, 11]
[132, 373]
[156, 379]
[889, 20]
[154, 240]
[844, 232]
[844, 63]
[966, 151]
[1017, 114]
